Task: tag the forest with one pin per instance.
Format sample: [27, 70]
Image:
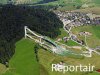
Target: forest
[13, 18]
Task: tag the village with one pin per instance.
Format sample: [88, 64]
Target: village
[78, 18]
[75, 19]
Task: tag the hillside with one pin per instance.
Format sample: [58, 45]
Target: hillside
[63, 27]
[46, 59]
[24, 61]
[14, 18]
[51, 1]
[55, 4]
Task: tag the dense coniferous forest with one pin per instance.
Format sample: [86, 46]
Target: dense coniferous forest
[14, 18]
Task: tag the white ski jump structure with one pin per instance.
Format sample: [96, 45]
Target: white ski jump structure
[42, 40]
[51, 45]
[48, 44]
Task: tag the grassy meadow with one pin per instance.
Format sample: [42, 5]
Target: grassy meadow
[24, 61]
[92, 40]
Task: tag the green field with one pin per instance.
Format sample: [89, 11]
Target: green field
[62, 5]
[72, 43]
[93, 40]
[62, 35]
[57, 2]
[46, 59]
[3, 1]
[20, 1]
[2, 69]
[24, 61]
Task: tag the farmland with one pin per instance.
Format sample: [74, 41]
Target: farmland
[23, 62]
[93, 40]
[26, 60]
